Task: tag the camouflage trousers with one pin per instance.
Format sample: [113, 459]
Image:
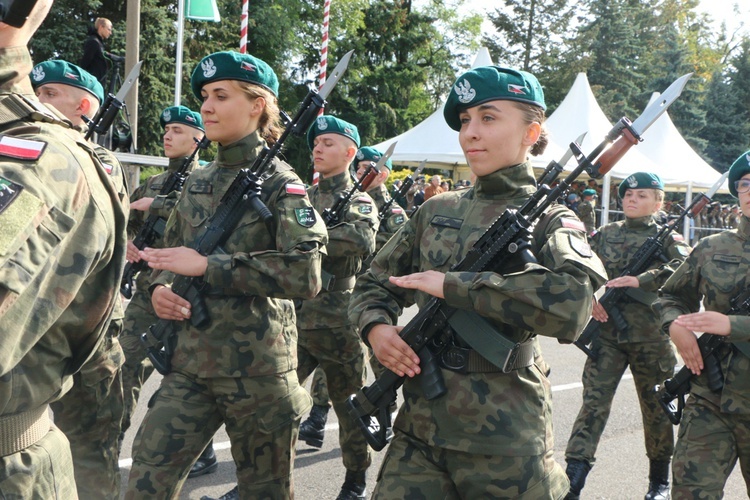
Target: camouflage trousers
[137, 368]
[319, 387]
[43, 470]
[650, 363]
[341, 354]
[261, 415]
[89, 415]
[415, 470]
[709, 443]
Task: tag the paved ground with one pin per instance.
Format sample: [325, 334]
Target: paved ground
[621, 469]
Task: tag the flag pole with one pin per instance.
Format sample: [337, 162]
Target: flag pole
[243, 28]
[324, 47]
[178, 55]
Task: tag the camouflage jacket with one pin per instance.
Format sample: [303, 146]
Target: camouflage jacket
[62, 246]
[616, 244]
[161, 207]
[587, 215]
[392, 221]
[716, 271]
[348, 244]
[485, 413]
[251, 277]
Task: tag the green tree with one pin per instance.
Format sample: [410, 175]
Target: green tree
[727, 129]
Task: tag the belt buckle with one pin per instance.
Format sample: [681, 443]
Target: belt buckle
[510, 361]
[455, 358]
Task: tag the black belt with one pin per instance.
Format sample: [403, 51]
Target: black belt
[466, 360]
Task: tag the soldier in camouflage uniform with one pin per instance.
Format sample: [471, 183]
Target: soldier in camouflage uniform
[62, 237]
[182, 128]
[240, 370]
[640, 346]
[715, 427]
[312, 430]
[90, 413]
[326, 336]
[586, 210]
[490, 435]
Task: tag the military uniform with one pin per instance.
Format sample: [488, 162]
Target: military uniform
[650, 355]
[326, 336]
[715, 427]
[62, 249]
[478, 433]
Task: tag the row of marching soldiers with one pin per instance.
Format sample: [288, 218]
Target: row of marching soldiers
[285, 299]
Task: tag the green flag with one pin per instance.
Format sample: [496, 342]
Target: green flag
[202, 10]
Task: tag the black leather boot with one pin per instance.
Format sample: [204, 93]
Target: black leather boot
[658, 481]
[354, 487]
[233, 494]
[312, 430]
[206, 463]
[576, 471]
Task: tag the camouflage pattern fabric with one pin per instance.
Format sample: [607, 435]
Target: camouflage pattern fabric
[62, 250]
[140, 313]
[480, 414]
[587, 215]
[642, 346]
[261, 415]
[326, 336]
[715, 426]
[240, 369]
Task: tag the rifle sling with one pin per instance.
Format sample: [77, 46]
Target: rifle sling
[504, 354]
[641, 296]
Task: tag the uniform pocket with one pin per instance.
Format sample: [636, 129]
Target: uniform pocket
[284, 411]
[722, 272]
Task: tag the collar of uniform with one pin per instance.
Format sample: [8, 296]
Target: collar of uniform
[379, 195]
[176, 163]
[336, 183]
[15, 66]
[508, 183]
[743, 230]
[240, 153]
[639, 222]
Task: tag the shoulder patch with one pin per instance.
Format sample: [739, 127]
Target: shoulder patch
[107, 167]
[397, 210]
[9, 191]
[581, 247]
[570, 223]
[363, 199]
[440, 220]
[677, 237]
[365, 209]
[684, 251]
[305, 216]
[297, 189]
[22, 149]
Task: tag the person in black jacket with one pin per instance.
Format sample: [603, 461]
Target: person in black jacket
[94, 59]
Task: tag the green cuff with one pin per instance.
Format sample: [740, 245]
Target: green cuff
[219, 271]
[456, 290]
[647, 281]
[739, 329]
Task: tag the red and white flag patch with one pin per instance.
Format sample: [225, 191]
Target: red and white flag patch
[294, 188]
[572, 224]
[23, 149]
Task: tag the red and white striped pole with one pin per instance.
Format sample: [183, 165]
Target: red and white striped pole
[323, 63]
[243, 28]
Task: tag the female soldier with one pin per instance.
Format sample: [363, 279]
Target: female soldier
[240, 370]
[715, 428]
[490, 435]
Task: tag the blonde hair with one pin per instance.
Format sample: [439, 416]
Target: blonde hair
[269, 123]
[101, 21]
[531, 114]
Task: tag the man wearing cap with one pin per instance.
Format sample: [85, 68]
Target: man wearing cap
[312, 430]
[62, 250]
[182, 129]
[326, 336]
[697, 298]
[586, 210]
[640, 346]
[89, 414]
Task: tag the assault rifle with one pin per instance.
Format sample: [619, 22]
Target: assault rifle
[406, 184]
[243, 193]
[677, 387]
[334, 215]
[153, 228]
[651, 250]
[112, 105]
[430, 332]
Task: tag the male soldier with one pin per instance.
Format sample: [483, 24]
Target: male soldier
[733, 219]
[640, 345]
[586, 210]
[312, 430]
[90, 413]
[182, 128]
[62, 249]
[326, 336]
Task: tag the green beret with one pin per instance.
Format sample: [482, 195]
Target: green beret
[59, 71]
[230, 65]
[371, 154]
[181, 114]
[589, 192]
[327, 124]
[491, 83]
[640, 180]
[740, 167]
